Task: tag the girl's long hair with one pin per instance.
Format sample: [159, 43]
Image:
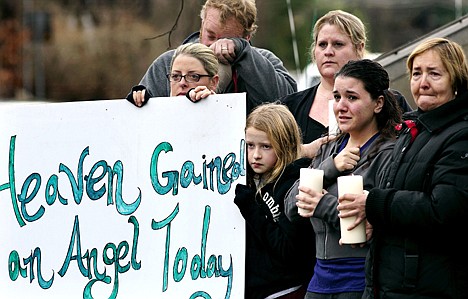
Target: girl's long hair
[282, 130]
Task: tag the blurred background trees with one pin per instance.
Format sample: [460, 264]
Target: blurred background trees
[65, 50]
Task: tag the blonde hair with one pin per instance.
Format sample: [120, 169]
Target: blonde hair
[282, 130]
[452, 56]
[200, 52]
[348, 23]
[244, 11]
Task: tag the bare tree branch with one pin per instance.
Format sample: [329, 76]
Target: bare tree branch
[169, 33]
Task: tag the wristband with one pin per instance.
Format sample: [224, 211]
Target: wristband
[188, 95]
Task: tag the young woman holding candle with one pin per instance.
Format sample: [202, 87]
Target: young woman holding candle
[279, 256]
[367, 114]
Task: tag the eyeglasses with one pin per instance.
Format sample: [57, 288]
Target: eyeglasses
[189, 78]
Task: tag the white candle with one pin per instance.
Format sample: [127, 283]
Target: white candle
[332, 123]
[351, 184]
[311, 178]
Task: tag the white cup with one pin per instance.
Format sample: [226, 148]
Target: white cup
[311, 178]
[351, 184]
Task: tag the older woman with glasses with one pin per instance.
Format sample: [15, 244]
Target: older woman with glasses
[193, 73]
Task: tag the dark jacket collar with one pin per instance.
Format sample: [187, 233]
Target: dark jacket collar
[442, 116]
[192, 38]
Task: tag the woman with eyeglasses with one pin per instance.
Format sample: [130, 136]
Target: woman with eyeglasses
[193, 73]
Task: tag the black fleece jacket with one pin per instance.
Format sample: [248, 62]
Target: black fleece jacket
[420, 213]
[279, 254]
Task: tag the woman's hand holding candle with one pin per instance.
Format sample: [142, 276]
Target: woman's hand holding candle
[353, 205]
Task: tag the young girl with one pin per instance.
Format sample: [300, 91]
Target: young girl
[279, 261]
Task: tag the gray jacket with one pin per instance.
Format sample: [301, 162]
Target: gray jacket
[260, 73]
[325, 221]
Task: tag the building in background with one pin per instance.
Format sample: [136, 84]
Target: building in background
[394, 61]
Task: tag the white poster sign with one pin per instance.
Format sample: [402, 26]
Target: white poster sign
[102, 199]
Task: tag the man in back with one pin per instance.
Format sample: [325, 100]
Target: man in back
[227, 27]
